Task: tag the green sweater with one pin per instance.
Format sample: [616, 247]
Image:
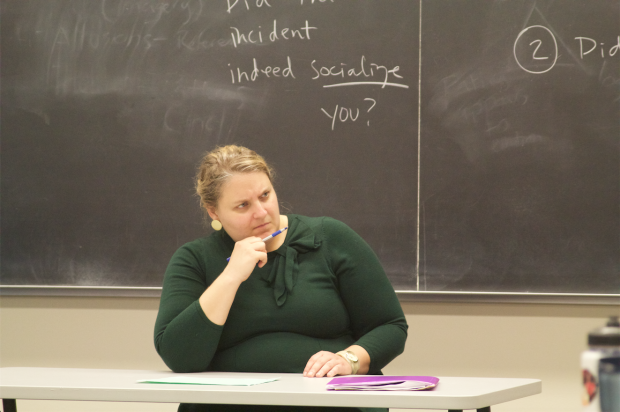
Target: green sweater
[323, 289]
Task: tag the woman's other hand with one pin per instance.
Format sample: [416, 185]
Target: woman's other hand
[326, 364]
[329, 364]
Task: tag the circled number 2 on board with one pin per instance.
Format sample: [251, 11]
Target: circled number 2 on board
[532, 50]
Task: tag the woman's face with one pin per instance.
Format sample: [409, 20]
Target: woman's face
[248, 206]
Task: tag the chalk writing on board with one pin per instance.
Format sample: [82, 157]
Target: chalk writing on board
[344, 114]
[255, 36]
[258, 4]
[112, 12]
[250, 4]
[140, 39]
[536, 49]
[365, 70]
[253, 74]
[537, 60]
[316, 1]
[585, 42]
[196, 42]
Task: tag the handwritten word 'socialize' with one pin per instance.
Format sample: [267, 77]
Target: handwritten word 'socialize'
[255, 73]
[344, 114]
[594, 44]
[364, 74]
[257, 3]
[256, 36]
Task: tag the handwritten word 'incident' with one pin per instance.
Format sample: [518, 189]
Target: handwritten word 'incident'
[256, 36]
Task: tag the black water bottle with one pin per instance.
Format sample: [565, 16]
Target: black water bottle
[600, 366]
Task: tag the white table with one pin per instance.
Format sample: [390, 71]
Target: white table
[291, 389]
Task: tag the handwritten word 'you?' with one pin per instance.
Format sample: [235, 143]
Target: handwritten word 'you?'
[345, 114]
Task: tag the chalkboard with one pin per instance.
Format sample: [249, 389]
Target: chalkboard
[520, 160]
[473, 144]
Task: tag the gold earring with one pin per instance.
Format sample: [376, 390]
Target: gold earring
[216, 225]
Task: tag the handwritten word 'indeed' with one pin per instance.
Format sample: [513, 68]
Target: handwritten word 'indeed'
[268, 72]
[364, 70]
[259, 3]
[256, 36]
[345, 114]
[612, 51]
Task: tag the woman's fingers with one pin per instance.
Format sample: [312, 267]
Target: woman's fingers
[246, 255]
[260, 251]
[326, 364]
[311, 363]
[248, 246]
[263, 260]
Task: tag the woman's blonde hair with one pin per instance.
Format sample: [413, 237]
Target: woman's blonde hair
[220, 164]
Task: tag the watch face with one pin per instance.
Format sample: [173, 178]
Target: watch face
[352, 356]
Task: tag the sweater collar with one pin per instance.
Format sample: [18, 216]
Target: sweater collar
[282, 275]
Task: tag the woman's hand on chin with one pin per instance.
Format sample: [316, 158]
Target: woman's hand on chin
[245, 256]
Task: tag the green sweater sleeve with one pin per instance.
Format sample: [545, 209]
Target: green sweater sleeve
[377, 319]
[185, 338]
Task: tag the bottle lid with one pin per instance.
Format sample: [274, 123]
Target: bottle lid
[606, 336]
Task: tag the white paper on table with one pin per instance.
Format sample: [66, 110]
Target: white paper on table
[197, 380]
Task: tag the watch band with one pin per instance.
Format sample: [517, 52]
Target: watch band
[351, 358]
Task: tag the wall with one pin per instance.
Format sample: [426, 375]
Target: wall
[446, 339]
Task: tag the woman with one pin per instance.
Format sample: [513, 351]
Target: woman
[312, 300]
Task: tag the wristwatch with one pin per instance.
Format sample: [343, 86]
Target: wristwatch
[351, 358]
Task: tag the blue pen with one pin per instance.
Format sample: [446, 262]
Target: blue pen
[274, 234]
